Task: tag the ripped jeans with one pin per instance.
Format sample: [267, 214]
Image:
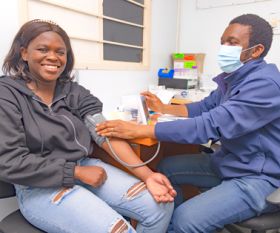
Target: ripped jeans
[84, 209]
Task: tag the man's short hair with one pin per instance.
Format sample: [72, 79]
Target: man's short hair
[260, 30]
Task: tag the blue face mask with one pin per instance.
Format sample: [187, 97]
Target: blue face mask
[229, 58]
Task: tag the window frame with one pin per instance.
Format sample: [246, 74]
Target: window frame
[101, 63]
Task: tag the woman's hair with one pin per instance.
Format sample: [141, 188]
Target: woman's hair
[15, 66]
[260, 30]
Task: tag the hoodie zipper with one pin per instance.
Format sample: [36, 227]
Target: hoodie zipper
[68, 119]
[75, 133]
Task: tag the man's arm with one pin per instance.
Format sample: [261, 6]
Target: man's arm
[156, 105]
[125, 130]
[176, 110]
[189, 110]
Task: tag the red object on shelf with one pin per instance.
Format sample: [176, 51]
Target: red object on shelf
[189, 57]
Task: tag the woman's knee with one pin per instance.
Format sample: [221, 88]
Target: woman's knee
[150, 212]
[167, 209]
[158, 212]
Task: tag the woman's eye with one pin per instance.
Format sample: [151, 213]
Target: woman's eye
[43, 50]
[60, 53]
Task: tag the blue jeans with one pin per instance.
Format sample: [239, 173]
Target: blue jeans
[223, 202]
[84, 209]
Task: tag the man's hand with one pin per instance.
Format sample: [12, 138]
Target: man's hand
[160, 188]
[91, 175]
[153, 102]
[124, 129]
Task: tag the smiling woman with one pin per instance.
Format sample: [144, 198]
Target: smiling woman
[46, 58]
[45, 146]
[45, 55]
[29, 32]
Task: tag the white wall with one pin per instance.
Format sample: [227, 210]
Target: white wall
[9, 25]
[109, 86]
[201, 29]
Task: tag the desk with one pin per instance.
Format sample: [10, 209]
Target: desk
[192, 96]
[180, 101]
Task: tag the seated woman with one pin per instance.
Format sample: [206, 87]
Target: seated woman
[45, 146]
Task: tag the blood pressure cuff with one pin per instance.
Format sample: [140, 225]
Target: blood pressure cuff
[91, 121]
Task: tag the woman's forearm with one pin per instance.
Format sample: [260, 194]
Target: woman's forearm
[126, 154]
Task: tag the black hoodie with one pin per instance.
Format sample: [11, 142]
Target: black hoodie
[40, 144]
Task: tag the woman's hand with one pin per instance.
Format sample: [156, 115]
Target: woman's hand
[153, 102]
[160, 188]
[123, 129]
[91, 175]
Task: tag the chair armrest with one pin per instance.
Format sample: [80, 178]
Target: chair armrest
[274, 198]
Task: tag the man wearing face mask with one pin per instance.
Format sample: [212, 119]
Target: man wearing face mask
[244, 114]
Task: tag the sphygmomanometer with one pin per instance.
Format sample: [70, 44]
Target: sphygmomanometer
[91, 121]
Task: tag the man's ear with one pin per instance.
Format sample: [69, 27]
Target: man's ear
[23, 52]
[258, 50]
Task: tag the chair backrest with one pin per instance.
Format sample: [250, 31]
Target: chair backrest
[6, 189]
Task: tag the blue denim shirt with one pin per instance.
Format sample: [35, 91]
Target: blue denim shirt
[244, 114]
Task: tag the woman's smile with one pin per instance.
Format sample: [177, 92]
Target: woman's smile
[46, 56]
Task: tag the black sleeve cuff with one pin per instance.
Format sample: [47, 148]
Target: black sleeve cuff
[68, 174]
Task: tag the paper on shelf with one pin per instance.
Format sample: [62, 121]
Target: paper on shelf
[165, 95]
